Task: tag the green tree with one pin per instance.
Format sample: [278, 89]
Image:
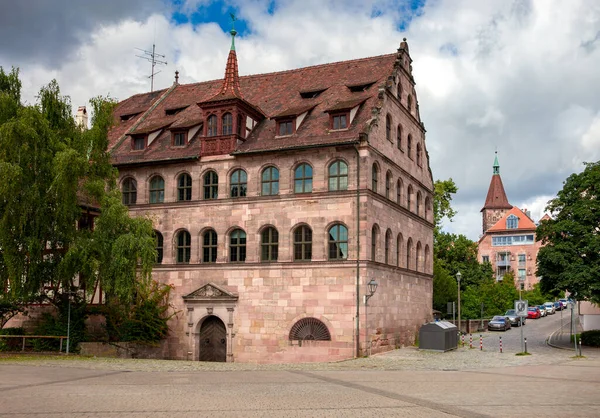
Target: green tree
[443, 190]
[570, 258]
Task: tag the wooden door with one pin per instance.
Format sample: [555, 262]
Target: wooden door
[213, 340]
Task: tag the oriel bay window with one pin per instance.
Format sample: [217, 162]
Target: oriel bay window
[227, 124]
[211, 126]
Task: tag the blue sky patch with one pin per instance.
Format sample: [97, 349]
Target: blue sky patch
[216, 11]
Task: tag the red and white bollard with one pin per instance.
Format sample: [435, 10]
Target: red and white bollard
[501, 344]
[470, 340]
[480, 342]
[463, 339]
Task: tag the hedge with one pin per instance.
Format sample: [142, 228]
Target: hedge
[591, 338]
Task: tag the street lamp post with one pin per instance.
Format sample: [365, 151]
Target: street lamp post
[69, 322]
[372, 287]
[458, 277]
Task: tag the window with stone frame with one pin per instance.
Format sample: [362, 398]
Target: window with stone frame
[418, 203]
[409, 247]
[237, 246]
[183, 248]
[211, 185]
[485, 258]
[211, 126]
[388, 181]
[239, 183]
[419, 155]
[399, 245]
[409, 192]
[209, 246]
[409, 146]
[338, 242]
[179, 138]
[388, 127]
[270, 181]
[303, 179]
[399, 186]
[339, 121]
[418, 256]
[285, 127]
[302, 243]
[399, 91]
[184, 187]
[374, 177]
[157, 189]
[374, 239]
[409, 103]
[240, 126]
[269, 244]
[129, 191]
[388, 243]
[338, 176]
[227, 124]
[158, 239]
[399, 138]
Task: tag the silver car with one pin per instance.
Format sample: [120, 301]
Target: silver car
[550, 308]
[515, 320]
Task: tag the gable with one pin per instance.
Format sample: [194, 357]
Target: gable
[211, 291]
[524, 222]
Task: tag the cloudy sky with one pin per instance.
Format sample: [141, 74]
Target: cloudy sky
[519, 76]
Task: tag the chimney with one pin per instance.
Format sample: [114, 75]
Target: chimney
[81, 118]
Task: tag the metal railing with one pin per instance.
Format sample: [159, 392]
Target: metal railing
[26, 337]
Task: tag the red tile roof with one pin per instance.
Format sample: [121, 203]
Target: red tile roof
[496, 197]
[524, 224]
[273, 93]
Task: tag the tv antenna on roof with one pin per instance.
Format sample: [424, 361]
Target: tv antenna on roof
[151, 56]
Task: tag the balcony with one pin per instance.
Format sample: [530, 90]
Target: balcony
[503, 262]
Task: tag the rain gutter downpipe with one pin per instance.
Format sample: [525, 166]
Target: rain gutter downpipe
[357, 251]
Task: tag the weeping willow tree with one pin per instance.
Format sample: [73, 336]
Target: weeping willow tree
[49, 169]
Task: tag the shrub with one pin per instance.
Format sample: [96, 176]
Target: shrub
[11, 344]
[591, 338]
[59, 324]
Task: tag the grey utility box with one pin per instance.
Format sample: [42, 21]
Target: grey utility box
[438, 336]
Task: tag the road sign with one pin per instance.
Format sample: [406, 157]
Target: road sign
[521, 307]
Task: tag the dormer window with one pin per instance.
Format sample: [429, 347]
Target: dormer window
[138, 142]
[360, 87]
[311, 94]
[212, 126]
[125, 118]
[285, 127]
[512, 222]
[179, 139]
[175, 110]
[339, 121]
[227, 124]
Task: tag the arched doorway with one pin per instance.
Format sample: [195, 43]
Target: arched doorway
[213, 340]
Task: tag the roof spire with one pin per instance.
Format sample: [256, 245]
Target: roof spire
[233, 32]
[496, 165]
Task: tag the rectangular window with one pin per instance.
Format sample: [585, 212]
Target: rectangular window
[286, 128]
[522, 260]
[139, 143]
[521, 275]
[485, 259]
[179, 139]
[340, 121]
[512, 240]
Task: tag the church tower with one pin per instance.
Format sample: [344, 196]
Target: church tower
[496, 202]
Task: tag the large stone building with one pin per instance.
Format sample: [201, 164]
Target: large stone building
[276, 198]
[508, 241]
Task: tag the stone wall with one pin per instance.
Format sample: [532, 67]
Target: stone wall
[125, 350]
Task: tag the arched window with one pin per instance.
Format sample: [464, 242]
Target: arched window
[409, 146]
[512, 222]
[399, 137]
[399, 245]
[388, 127]
[374, 177]
[302, 243]
[129, 191]
[211, 126]
[418, 203]
[409, 193]
[269, 244]
[419, 162]
[409, 103]
[399, 186]
[209, 246]
[158, 239]
[270, 181]
[239, 183]
[374, 239]
[183, 247]
[388, 242]
[426, 266]
[309, 329]
[211, 185]
[418, 259]
[338, 176]
[338, 242]
[227, 124]
[184, 187]
[303, 179]
[399, 91]
[237, 246]
[388, 181]
[157, 190]
[409, 246]
[427, 207]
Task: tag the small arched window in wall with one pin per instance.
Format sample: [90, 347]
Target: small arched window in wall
[399, 91]
[374, 177]
[409, 103]
[129, 191]
[239, 183]
[237, 246]
[388, 127]
[309, 329]
[209, 246]
[388, 243]
[211, 126]
[419, 198]
[211, 185]
[338, 242]
[426, 260]
[399, 186]
[512, 222]
[183, 247]
[409, 146]
[399, 137]
[419, 155]
[374, 239]
[427, 207]
[303, 178]
[157, 190]
[158, 239]
[338, 176]
[302, 243]
[409, 254]
[409, 192]
[269, 244]
[270, 181]
[227, 124]
[399, 245]
[418, 260]
[388, 185]
[184, 187]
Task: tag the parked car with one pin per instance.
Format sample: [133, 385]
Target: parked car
[565, 303]
[558, 306]
[550, 308]
[499, 323]
[534, 312]
[514, 319]
[543, 310]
